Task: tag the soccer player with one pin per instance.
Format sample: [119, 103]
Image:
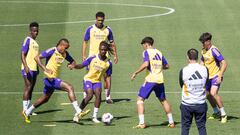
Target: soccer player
[95, 34]
[155, 63]
[214, 61]
[192, 80]
[29, 51]
[99, 65]
[54, 58]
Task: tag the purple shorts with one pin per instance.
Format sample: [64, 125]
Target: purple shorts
[148, 87]
[89, 85]
[31, 74]
[212, 82]
[51, 85]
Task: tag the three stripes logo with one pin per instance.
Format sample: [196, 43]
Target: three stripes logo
[195, 76]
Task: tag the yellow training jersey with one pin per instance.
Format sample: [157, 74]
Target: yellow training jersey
[54, 60]
[97, 68]
[31, 49]
[212, 59]
[156, 61]
[96, 35]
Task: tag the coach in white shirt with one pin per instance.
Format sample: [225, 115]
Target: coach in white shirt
[192, 80]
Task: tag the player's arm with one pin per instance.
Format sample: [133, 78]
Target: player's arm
[84, 48]
[85, 43]
[38, 59]
[24, 50]
[180, 78]
[223, 64]
[84, 63]
[165, 63]
[140, 69]
[113, 46]
[71, 61]
[108, 76]
[222, 68]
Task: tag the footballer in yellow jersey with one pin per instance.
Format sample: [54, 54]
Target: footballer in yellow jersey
[155, 63]
[99, 65]
[214, 61]
[54, 59]
[29, 51]
[94, 35]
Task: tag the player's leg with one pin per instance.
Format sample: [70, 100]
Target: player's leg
[214, 93]
[212, 101]
[43, 99]
[143, 94]
[200, 113]
[88, 88]
[159, 90]
[186, 119]
[28, 85]
[107, 87]
[97, 103]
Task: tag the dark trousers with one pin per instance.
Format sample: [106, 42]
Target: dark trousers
[198, 112]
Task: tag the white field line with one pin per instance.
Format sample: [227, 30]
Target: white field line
[60, 92]
[170, 10]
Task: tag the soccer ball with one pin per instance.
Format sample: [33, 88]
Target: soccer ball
[107, 118]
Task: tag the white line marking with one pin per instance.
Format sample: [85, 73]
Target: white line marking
[171, 10]
[57, 92]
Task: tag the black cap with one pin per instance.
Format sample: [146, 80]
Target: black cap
[147, 40]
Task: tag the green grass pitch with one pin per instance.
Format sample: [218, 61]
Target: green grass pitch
[174, 34]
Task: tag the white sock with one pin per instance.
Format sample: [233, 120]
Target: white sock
[29, 103]
[141, 118]
[29, 110]
[95, 111]
[170, 118]
[76, 107]
[106, 94]
[215, 110]
[223, 113]
[25, 105]
[84, 94]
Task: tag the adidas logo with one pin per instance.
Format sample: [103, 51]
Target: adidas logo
[195, 76]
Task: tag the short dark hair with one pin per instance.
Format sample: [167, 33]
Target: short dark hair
[205, 37]
[147, 40]
[192, 54]
[100, 14]
[33, 24]
[62, 39]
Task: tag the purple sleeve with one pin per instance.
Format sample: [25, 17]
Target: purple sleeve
[202, 59]
[87, 61]
[87, 34]
[217, 55]
[25, 46]
[164, 61]
[47, 53]
[109, 70]
[110, 35]
[69, 57]
[145, 56]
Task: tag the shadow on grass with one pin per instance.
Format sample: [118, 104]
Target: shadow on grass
[119, 100]
[48, 111]
[164, 124]
[232, 117]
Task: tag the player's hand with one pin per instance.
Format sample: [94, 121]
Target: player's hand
[115, 59]
[27, 70]
[84, 58]
[48, 71]
[219, 79]
[133, 76]
[71, 66]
